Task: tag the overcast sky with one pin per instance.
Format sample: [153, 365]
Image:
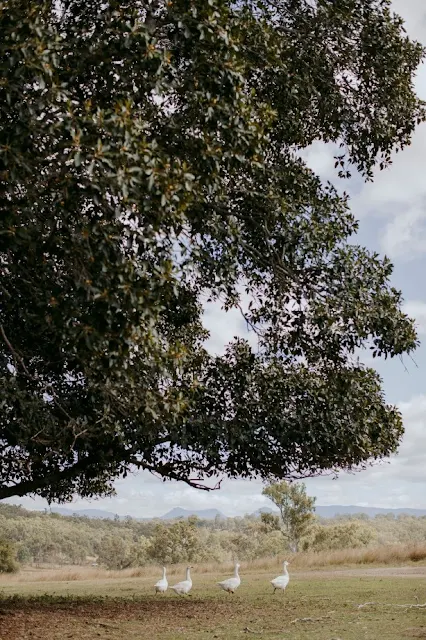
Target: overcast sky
[392, 212]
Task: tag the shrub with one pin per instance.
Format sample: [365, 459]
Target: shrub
[343, 535]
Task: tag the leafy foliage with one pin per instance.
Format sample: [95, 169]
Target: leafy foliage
[8, 562]
[342, 535]
[174, 543]
[149, 160]
[115, 551]
[296, 509]
[270, 522]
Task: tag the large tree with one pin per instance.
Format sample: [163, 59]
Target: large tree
[296, 510]
[150, 159]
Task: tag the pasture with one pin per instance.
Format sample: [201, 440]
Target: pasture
[317, 604]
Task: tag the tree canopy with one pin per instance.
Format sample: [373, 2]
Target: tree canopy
[150, 160]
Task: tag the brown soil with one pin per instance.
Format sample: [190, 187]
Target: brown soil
[110, 619]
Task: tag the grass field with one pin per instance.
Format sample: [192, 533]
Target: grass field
[317, 605]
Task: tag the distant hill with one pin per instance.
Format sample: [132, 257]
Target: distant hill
[259, 512]
[177, 512]
[331, 511]
[336, 509]
[204, 514]
[89, 513]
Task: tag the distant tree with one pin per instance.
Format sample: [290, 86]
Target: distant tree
[23, 554]
[140, 551]
[149, 161]
[342, 535]
[8, 562]
[114, 552]
[270, 522]
[242, 546]
[174, 543]
[352, 516]
[296, 509]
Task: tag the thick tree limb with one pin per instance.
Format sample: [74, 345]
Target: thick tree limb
[161, 472]
[36, 484]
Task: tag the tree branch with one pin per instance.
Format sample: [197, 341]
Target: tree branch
[34, 485]
[161, 472]
[13, 351]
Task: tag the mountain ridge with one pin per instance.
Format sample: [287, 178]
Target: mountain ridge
[179, 512]
[323, 511]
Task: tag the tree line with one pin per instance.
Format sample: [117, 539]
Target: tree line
[33, 537]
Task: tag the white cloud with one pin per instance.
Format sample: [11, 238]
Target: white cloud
[396, 197]
[404, 236]
[224, 326]
[414, 14]
[398, 185]
[320, 158]
[417, 309]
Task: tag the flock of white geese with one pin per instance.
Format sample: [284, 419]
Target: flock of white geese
[230, 585]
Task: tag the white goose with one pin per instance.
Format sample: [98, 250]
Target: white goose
[183, 588]
[281, 581]
[161, 585]
[231, 584]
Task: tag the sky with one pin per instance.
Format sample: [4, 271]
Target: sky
[392, 214]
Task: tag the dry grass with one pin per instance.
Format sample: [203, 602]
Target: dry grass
[385, 555]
